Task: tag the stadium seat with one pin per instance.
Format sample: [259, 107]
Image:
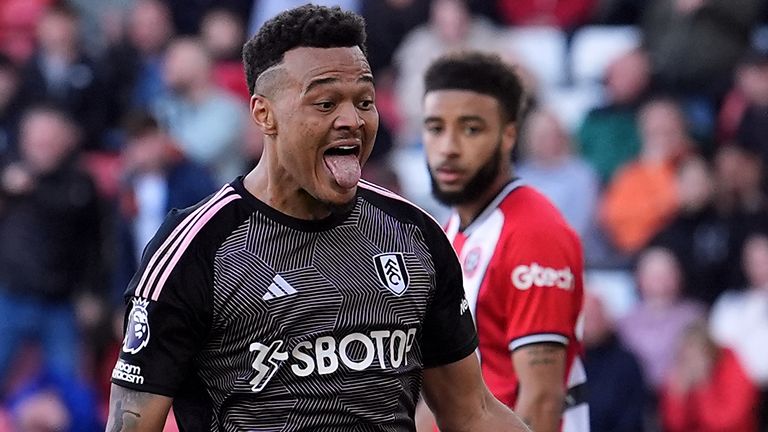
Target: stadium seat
[542, 51]
[593, 48]
[571, 104]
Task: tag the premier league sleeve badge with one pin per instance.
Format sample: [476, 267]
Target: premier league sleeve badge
[137, 330]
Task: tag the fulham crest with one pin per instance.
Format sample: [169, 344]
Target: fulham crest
[390, 267]
[137, 330]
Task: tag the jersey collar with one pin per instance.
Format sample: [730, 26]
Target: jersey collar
[453, 223]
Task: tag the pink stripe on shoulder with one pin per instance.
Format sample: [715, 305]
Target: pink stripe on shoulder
[187, 240]
[160, 256]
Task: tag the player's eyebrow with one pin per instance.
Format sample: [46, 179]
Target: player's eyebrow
[367, 78]
[470, 118]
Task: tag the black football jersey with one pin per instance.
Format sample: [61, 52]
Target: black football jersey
[256, 321]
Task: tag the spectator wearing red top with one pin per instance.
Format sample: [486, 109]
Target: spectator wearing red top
[565, 14]
[708, 390]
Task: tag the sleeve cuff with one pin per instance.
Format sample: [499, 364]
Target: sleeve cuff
[451, 357]
[538, 338]
[144, 388]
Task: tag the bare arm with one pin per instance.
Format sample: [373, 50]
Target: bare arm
[131, 410]
[540, 370]
[458, 397]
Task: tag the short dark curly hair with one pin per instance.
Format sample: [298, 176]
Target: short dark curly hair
[304, 26]
[481, 73]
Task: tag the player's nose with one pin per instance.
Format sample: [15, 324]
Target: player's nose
[348, 117]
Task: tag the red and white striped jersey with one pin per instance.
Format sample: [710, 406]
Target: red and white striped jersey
[523, 277]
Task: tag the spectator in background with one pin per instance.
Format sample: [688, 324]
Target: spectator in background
[157, 178]
[652, 330]
[10, 107]
[134, 67]
[642, 197]
[18, 20]
[564, 14]
[47, 403]
[700, 236]
[387, 22]
[188, 14]
[550, 166]
[49, 229]
[753, 127]
[223, 34]
[707, 389]
[609, 135]
[61, 73]
[694, 46]
[739, 196]
[451, 27]
[204, 120]
[739, 318]
[618, 398]
[265, 9]
[749, 93]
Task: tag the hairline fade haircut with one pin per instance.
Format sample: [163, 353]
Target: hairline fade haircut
[478, 72]
[305, 26]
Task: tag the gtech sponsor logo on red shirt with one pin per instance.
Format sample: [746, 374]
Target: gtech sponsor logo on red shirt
[536, 275]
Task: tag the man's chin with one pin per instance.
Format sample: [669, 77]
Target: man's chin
[341, 201]
[450, 198]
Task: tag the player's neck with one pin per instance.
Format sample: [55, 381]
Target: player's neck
[291, 201]
[470, 210]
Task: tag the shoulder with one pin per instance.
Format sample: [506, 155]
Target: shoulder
[407, 213]
[197, 225]
[186, 243]
[396, 206]
[530, 214]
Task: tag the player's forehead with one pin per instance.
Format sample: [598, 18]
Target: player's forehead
[451, 104]
[307, 64]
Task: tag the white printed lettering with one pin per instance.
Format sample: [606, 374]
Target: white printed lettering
[325, 350]
[303, 357]
[367, 343]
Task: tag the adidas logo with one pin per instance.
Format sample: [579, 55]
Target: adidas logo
[279, 288]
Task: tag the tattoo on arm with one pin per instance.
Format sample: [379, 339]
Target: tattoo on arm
[125, 413]
[118, 417]
[542, 354]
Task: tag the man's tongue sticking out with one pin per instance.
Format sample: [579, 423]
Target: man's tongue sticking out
[344, 168]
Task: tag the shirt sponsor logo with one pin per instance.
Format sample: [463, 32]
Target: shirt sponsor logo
[527, 276]
[325, 355]
[390, 267]
[137, 330]
[127, 372]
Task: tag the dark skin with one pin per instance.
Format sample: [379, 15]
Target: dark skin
[131, 410]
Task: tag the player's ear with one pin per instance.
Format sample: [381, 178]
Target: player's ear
[263, 114]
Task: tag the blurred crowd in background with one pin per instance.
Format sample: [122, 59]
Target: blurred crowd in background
[646, 125]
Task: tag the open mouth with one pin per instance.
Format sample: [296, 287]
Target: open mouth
[345, 150]
[343, 163]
